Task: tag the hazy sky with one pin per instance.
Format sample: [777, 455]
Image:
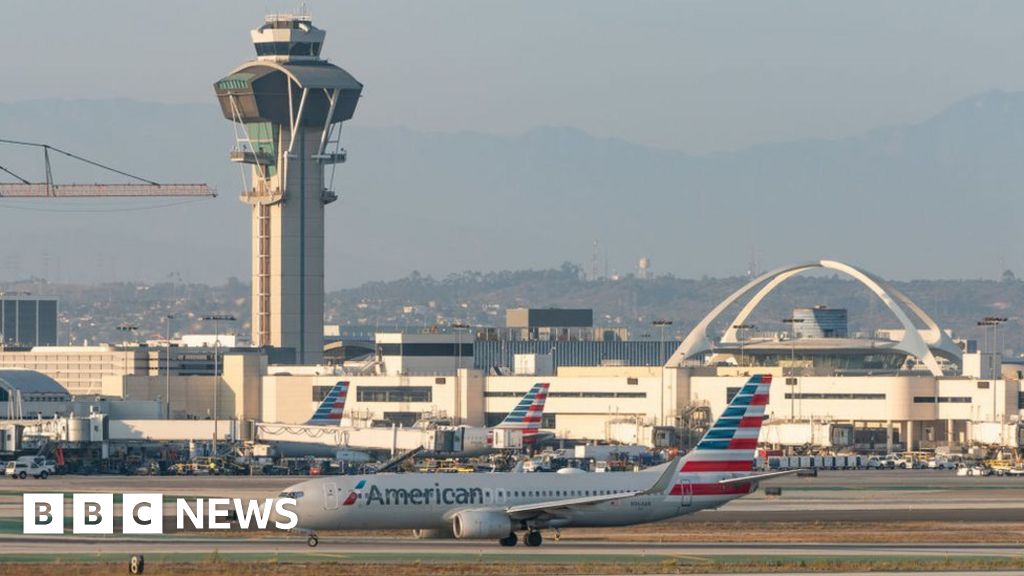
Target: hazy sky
[696, 77]
[692, 76]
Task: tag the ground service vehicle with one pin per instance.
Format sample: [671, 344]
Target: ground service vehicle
[35, 466]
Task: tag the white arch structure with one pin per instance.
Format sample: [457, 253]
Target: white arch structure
[922, 343]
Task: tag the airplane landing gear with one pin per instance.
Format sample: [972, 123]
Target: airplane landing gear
[533, 538]
[312, 541]
[510, 540]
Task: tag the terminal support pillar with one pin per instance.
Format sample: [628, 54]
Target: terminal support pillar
[949, 434]
[909, 436]
[888, 436]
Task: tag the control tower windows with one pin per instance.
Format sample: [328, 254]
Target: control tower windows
[288, 49]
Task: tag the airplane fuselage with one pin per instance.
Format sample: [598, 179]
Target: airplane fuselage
[430, 501]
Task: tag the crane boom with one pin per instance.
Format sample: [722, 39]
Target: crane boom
[43, 190]
[50, 189]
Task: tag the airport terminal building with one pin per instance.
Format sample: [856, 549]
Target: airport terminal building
[912, 387]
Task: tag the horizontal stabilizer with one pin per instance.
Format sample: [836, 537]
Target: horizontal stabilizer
[759, 477]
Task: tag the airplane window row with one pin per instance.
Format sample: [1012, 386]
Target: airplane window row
[556, 493]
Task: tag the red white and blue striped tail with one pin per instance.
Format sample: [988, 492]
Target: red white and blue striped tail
[527, 415]
[730, 445]
[330, 410]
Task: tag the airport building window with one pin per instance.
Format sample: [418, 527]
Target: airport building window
[394, 393]
[4, 396]
[982, 385]
[401, 418]
[425, 350]
[504, 394]
[548, 420]
[321, 392]
[731, 393]
[1020, 400]
[942, 399]
[632, 381]
[833, 396]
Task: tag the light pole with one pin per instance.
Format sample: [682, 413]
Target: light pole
[994, 322]
[127, 328]
[216, 318]
[167, 369]
[739, 327]
[662, 324]
[459, 327]
[792, 362]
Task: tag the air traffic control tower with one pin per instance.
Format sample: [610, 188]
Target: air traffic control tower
[287, 107]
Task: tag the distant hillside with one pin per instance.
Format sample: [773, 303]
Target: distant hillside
[93, 312]
[482, 298]
[931, 200]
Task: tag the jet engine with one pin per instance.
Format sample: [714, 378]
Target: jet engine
[481, 524]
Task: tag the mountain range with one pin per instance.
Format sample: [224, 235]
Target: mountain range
[937, 199]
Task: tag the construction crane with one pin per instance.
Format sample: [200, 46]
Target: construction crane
[49, 189]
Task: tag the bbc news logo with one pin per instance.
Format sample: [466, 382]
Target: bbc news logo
[93, 513]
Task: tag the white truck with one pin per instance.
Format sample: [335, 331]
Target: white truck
[25, 466]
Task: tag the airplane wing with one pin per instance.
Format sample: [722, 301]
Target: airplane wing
[662, 485]
[759, 477]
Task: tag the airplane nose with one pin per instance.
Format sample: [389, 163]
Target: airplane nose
[301, 507]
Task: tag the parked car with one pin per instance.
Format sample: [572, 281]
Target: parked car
[25, 466]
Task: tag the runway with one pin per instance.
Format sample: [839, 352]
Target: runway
[855, 496]
[848, 517]
[408, 549]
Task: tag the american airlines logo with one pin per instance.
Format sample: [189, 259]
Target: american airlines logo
[419, 496]
[93, 513]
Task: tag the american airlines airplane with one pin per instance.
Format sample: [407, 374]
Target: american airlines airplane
[525, 417]
[500, 505]
[324, 434]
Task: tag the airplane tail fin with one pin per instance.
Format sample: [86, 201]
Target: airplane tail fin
[730, 445]
[526, 416]
[333, 405]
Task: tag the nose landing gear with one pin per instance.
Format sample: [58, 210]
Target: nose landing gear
[312, 541]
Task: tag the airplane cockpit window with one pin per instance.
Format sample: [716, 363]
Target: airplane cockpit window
[292, 495]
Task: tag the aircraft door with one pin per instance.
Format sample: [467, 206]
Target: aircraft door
[330, 496]
[686, 491]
